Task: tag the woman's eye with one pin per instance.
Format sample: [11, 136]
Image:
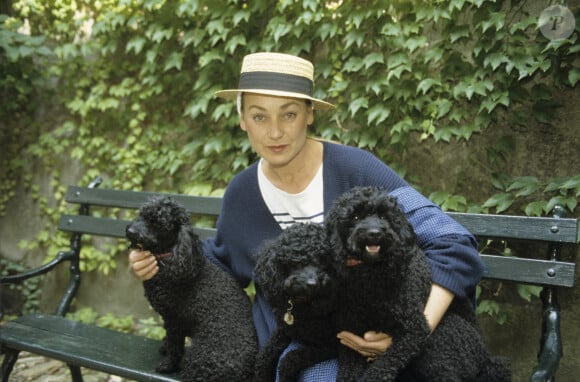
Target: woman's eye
[259, 117]
[290, 115]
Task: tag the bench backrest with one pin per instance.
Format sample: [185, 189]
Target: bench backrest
[554, 230]
[103, 226]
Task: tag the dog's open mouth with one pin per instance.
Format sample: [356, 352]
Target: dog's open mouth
[373, 249]
[371, 254]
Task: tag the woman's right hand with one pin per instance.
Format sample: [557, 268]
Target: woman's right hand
[143, 264]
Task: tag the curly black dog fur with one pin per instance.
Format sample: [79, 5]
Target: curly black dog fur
[388, 281]
[195, 298]
[299, 276]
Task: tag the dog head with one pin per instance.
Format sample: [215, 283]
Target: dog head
[163, 227]
[367, 226]
[298, 272]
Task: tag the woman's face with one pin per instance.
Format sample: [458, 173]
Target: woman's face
[277, 126]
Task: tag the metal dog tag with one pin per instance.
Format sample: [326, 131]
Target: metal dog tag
[288, 316]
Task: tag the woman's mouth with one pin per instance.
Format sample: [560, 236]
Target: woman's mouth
[277, 149]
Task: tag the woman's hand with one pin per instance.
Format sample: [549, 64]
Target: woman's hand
[143, 264]
[371, 345]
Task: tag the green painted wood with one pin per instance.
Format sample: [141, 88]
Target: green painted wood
[519, 227]
[75, 343]
[529, 271]
[199, 205]
[110, 227]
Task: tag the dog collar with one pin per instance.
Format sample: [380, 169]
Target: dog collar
[352, 262]
[162, 256]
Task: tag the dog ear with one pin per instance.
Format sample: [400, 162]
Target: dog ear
[406, 231]
[185, 241]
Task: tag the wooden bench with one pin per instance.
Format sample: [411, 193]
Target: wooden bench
[130, 356]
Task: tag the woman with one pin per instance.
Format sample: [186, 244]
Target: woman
[297, 179]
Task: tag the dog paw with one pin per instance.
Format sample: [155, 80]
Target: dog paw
[167, 365]
[378, 376]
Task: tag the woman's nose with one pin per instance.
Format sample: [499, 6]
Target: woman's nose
[274, 131]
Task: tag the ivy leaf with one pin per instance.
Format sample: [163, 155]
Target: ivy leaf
[354, 64]
[174, 61]
[187, 8]
[454, 203]
[356, 104]
[415, 43]
[374, 58]
[527, 291]
[526, 185]
[427, 84]
[495, 21]
[556, 183]
[501, 202]
[438, 197]
[535, 208]
[570, 202]
[573, 182]
[135, 44]
[573, 76]
[458, 33]
[397, 59]
[234, 42]
[378, 114]
[488, 307]
[327, 30]
[443, 134]
[443, 107]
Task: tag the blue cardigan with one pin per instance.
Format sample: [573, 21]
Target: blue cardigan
[245, 223]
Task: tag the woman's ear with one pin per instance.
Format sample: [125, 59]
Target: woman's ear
[310, 116]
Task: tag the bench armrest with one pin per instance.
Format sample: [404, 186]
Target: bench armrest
[61, 257]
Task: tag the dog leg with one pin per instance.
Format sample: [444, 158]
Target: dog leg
[174, 344]
[267, 358]
[351, 365]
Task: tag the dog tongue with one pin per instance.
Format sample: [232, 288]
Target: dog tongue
[373, 249]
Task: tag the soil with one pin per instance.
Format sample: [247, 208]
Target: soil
[34, 368]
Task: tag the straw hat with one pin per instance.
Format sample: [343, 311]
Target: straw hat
[276, 74]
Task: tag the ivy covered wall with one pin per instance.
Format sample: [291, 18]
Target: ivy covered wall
[467, 99]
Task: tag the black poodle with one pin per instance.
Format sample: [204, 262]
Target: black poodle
[388, 281]
[195, 298]
[299, 276]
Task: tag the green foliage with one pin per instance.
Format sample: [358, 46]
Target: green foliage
[140, 77]
[30, 288]
[149, 327]
[133, 81]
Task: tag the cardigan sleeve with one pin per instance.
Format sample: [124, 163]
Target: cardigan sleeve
[450, 249]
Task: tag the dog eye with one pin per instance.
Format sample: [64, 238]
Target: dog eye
[355, 217]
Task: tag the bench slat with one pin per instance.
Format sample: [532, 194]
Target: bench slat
[200, 205]
[109, 227]
[117, 353]
[530, 271]
[523, 227]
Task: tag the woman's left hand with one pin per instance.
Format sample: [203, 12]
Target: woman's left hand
[371, 345]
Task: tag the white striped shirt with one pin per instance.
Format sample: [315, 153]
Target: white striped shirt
[287, 209]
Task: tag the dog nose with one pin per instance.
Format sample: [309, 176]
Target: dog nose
[373, 233]
[303, 281]
[130, 231]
